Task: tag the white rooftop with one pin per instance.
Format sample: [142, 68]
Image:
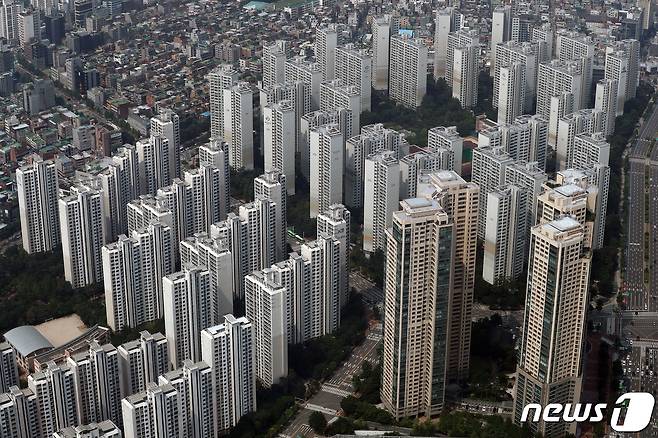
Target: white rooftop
[569, 190]
[565, 223]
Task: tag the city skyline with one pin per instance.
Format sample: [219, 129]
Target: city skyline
[328, 216]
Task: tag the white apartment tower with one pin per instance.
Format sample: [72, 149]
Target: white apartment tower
[280, 139]
[505, 233]
[29, 26]
[222, 78]
[141, 361]
[322, 311]
[632, 49]
[442, 137]
[616, 68]
[555, 78]
[215, 256]
[147, 209]
[336, 95]
[8, 368]
[590, 149]
[511, 92]
[155, 412]
[229, 350]
[54, 391]
[238, 125]
[340, 117]
[314, 280]
[501, 30]
[413, 167]
[133, 268]
[326, 168]
[260, 221]
[407, 74]
[194, 385]
[187, 311]
[273, 186]
[373, 139]
[625, 53]
[266, 306]
[17, 409]
[335, 222]
[354, 68]
[9, 11]
[298, 93]
[120, 184]
[523, 139]
[606, 101]
[308, 72]
[648, 13]
[488, 173]
[154, 159]
[550, 359]
[447, 20]
[326, 42]
[543, 37]
[417, 289]
[166, 124]
[573, 46]
[536, 128]
[274, 63]
[507, 55]
[462, 66]
[381, 198]
[250, 237]
[215, 154]
[81, 218]
[198, 201]
[37, 202]
[592, 154]
[381, 39]
[233, 232]
[96, 378]
[531, 178]
[586, 121]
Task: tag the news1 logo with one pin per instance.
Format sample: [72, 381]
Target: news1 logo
[638, 407]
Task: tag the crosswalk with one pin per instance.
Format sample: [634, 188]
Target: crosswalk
[331, 389]
[312, 407]
[304, 430]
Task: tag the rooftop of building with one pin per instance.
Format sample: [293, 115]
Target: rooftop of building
[27, 340]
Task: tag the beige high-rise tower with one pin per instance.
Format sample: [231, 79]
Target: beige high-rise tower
[550, 358]
[459, 199]
[419, 267]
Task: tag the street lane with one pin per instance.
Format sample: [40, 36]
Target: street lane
[636, 292]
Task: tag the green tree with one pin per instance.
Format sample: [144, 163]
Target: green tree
[317, 422]
[342, 426]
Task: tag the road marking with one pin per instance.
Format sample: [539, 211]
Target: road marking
[336, 391]
[312, 407]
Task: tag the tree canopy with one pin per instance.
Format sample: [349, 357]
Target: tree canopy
[33, 289]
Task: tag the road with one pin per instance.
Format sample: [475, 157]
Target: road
[640, 373]
[638, 325]
[637, 294]
[372, 295]
[339, 386]
[652, 191]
